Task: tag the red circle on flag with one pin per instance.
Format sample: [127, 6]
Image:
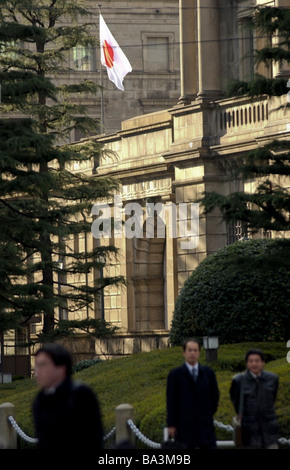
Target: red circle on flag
[108, 54]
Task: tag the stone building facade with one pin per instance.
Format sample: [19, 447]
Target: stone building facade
[171, 157]
[166, 159]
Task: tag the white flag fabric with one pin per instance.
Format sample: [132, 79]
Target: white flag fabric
[112, 56]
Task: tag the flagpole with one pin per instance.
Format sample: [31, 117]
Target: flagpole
[102, 91]
[103, 131]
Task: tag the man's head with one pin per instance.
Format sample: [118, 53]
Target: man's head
[255, 360]
[53, 365]
[191, 351]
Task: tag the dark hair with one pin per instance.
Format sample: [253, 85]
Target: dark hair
[255, 351]
[189, 340]
[59, 356]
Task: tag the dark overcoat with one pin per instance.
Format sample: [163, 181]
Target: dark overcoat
[259, 421]
[68, 419]
[191, 405]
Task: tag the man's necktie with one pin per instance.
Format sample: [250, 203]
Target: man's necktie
[194, 374]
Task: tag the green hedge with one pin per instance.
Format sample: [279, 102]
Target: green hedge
[81, 365]
[236, 300]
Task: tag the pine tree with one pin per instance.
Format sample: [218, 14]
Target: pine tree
[268, 208]
[43, 204]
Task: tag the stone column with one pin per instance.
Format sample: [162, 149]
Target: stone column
[130, 290]
[209, 64]
[188, 50]
[8, 437]
[282, 70]
[121, 244]
[124, 434]
[171, 268]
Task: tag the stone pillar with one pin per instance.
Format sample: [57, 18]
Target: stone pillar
[121, 244]
[171, 268]
[209, 63]
[8, 437]
[130, 289]
[188, 50]
[282, 70]
[123, 432]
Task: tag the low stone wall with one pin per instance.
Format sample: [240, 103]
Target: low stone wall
[121, 344]
[131, 343]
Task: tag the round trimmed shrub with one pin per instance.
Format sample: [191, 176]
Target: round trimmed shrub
[240, 293]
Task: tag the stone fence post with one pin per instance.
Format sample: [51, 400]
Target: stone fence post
[8, 436]
[123, 432]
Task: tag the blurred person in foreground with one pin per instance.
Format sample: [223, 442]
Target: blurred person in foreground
[253, 394]
[66, 413]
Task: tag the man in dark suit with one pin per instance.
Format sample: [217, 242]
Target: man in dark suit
[66, 414]
[192, 400]
[259, 391]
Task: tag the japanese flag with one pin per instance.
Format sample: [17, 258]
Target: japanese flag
[112, 57]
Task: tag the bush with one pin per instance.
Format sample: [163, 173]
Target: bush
[236, 300]
[232, 357]
[85, 364]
